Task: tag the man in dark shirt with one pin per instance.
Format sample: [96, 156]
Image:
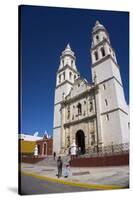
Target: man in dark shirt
[59, 166]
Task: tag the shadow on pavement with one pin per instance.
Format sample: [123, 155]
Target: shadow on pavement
[13, 189]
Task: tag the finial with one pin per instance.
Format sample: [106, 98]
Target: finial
[68, 46]
[68, 50]
[97, 23]
[98, 26]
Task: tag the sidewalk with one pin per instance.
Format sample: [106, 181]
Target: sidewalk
[94, 177]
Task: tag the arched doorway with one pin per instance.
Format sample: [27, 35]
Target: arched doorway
[45, 149]
[80, 141]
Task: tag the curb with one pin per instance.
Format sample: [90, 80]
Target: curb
[84, 185]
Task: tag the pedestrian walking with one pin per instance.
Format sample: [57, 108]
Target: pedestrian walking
[54, 155]
[66, 171]
[59, 166]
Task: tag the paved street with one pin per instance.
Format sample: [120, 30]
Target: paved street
[31, 185]
[41, 178]
[107, 176]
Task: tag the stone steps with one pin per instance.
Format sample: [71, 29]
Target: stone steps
[49, 161]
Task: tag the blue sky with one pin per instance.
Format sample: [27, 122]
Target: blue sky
[45, 33]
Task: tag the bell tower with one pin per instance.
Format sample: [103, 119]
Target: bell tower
[65, 77]
[112, 110]
[102, 52]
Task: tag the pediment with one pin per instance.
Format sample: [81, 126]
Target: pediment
[79, 86]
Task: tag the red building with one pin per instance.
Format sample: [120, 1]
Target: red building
[45, 147]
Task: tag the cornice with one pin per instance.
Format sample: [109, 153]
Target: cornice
[113, 77]
[67, 67]
[57, 127]
[113, 110]
[80, 120]
[66, 81]
[102, 43]
[104, 59]
[100, 29]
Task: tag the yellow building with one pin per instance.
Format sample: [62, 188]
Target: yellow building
[27, 147]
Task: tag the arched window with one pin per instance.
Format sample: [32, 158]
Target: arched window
[96, 55]
[106, 102]
[97, 38]
[70, 75]
[59, 78]
[63, 63]
[104, 86]
[64, 75]
[71, 62]
[79, 106]
[91, 106]
[102, 52]
[39, 149]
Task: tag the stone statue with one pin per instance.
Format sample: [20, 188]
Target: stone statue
[36, 151]
[73, 149]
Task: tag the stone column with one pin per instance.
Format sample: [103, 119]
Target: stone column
[42, 149]
[86, 136]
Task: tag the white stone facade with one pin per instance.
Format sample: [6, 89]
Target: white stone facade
[96, 114]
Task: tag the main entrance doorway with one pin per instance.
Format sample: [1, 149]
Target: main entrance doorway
[80, 141]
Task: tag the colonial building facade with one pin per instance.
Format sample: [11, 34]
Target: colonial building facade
[93, 115]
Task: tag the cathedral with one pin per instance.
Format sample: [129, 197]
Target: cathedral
[93, 115]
